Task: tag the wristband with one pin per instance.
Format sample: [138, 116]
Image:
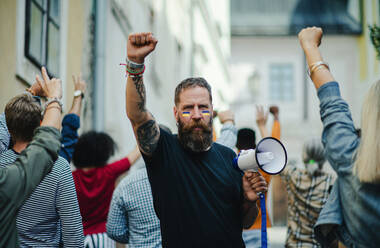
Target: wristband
[132, 65]
[54, 99]
[134, 71]
[78, 93]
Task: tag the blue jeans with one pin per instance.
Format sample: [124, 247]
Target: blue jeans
[252, 238]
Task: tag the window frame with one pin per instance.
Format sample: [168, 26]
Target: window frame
[46, 20]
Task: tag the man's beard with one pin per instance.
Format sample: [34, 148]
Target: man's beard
[195, 140]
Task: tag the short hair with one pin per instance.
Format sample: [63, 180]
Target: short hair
[313, 150]
[246, 139]
[191, 83]
[93, 149]
[23, 116]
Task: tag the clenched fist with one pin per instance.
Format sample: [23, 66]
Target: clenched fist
[139, 45]
[310, 37]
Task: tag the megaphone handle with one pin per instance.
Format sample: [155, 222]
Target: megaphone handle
[264, 242]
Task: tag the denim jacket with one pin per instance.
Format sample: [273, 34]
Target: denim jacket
[352, 212]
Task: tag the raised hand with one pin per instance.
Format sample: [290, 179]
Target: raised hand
[139, 45]
[253, 184]
[79, 83]
[225, 116]
[261, 116]
[310, 37]
[51, 88]
[274, 110]
[36, 89]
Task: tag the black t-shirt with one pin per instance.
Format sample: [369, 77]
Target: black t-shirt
[197, 196]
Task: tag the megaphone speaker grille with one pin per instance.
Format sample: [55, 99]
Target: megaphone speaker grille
[274, 146]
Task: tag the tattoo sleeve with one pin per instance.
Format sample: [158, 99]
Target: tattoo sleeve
[140, 88]
[147, 136]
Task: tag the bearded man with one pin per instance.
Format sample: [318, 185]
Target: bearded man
[199, 197]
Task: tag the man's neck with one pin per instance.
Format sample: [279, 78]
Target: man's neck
[19, 146]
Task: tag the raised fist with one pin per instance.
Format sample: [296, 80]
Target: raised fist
[139, 45]
[310, 37]
[225, 116]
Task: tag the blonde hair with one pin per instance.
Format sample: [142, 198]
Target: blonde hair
[367, 164]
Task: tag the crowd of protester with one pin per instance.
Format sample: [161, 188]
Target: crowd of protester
[188, 193]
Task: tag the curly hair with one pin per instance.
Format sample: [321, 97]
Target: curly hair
[246, 139]
[93, 149]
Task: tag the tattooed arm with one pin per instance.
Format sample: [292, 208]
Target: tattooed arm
[144, 125]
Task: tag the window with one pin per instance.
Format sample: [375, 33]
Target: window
[42, 33]
[288, 17]
[281, 82]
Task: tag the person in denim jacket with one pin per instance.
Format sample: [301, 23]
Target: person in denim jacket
[352, 212]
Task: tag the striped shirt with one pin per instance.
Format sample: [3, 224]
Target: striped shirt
[306, 197]
[131, 218]
[5, 137]
[50, 217]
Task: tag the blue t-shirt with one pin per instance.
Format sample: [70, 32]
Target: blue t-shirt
[198, 197]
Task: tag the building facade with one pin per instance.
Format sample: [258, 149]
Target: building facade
[90, 36]
[269, 66]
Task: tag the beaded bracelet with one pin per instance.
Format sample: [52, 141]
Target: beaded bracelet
[133, 72]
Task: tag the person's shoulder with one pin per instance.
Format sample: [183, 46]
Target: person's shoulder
[7, 157]
[61, 164]
[135, 177]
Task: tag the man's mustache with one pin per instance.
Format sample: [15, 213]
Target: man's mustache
[194, 125]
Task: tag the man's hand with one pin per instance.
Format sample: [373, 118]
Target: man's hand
[310, 37]
[274, 110]
[79, 83]
[51, 88]
[225, 116]
[261, 116]
[139, 46]
[253, 184]
[36, 89]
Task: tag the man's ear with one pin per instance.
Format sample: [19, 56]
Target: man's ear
[175, 111]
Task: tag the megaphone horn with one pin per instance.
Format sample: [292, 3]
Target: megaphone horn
[270, 156]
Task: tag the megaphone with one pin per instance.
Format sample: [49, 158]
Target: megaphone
[270, 156]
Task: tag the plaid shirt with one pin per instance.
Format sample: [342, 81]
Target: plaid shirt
[131, 218]
[306, 198]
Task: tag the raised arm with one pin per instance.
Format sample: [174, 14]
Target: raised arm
[261, 121]
[18, 182]
[71, 121]
[228, 133]
[335, 113]
[276, 128]
[310, 39]
[144, 125]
